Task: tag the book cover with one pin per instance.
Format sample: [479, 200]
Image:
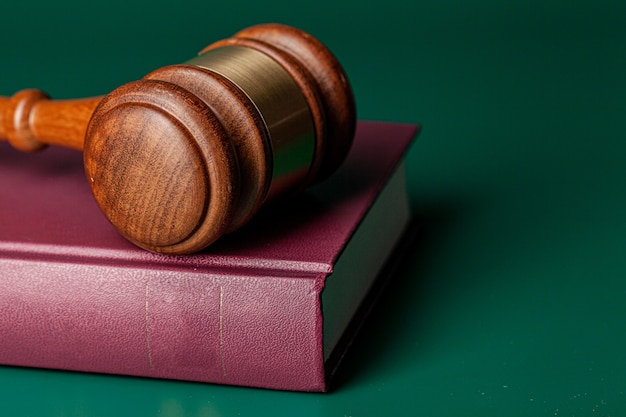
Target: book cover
[267, 306]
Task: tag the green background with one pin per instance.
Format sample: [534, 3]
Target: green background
[512, 301]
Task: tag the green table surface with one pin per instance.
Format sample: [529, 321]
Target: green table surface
[512, 302]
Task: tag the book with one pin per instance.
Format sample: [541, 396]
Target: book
[273, 305]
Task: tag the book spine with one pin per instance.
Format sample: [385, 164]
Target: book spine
[240, 329]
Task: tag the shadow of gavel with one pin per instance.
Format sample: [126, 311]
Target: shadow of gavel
[192, 151]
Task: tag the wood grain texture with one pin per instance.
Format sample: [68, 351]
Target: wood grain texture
[63, 123]
[161, 167]
[244, 125]
[193, 151]
[30, 120]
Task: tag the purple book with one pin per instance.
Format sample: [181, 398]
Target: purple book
[272, 305]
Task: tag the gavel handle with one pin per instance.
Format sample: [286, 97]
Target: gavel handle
[29, 120]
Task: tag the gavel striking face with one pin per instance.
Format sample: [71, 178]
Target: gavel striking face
[191, 152]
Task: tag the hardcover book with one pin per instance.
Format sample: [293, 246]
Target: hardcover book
[273, 305]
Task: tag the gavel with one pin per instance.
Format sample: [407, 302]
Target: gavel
[192, 151]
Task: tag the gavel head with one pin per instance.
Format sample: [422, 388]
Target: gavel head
[192, 151]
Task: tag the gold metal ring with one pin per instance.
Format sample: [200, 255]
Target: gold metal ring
[281, 104]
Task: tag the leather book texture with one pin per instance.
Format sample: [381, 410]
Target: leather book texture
[265, 306]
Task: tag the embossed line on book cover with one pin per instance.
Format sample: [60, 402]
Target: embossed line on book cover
[222, 330]
[148, 328]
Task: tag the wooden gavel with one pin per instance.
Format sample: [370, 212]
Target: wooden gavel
[191, 152]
